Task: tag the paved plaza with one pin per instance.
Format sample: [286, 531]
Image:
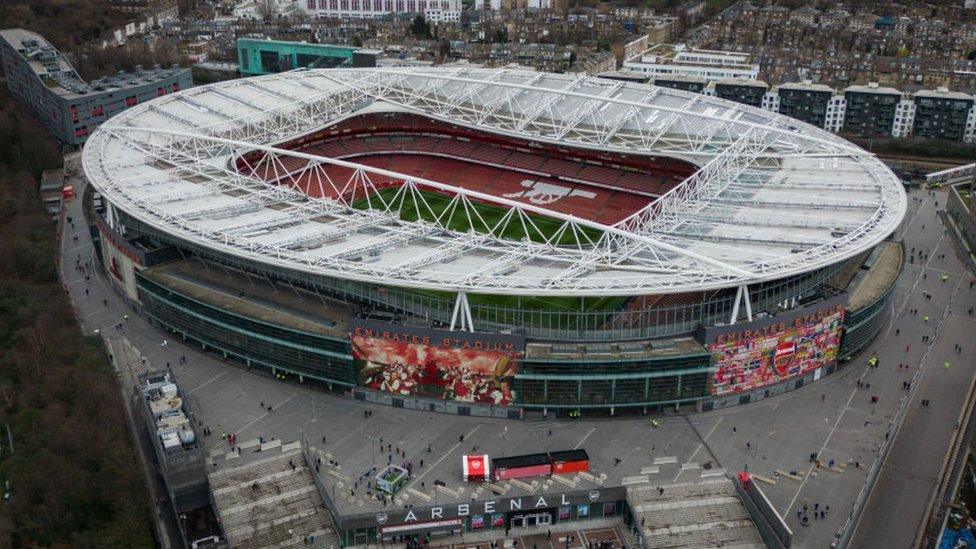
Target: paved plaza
[832, 418]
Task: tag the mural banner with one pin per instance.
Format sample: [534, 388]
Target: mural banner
[750, 355]
[415, 361]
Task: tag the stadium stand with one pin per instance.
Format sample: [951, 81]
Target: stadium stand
[635, 312]
[588, 184]
[707, 513]
[272, 502]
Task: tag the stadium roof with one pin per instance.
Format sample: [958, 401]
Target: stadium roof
[773, 197]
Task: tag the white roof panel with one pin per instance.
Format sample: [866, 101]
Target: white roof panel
[773, 197]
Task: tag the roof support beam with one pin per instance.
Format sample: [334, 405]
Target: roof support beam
[636, 238]
[587, 111]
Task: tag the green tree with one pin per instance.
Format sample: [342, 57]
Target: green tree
[420, 28]
[74, 479]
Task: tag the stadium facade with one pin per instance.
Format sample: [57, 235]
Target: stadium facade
[491, 241]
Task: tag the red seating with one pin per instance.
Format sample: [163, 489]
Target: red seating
[477, 161]
[654, 310]
[619, 206]
[598, 173]
[527, 161]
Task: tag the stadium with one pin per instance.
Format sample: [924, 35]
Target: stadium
[483, 241]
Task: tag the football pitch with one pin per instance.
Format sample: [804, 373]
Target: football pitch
[485, 220]
[440, 206]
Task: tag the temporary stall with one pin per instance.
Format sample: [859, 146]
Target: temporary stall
[532, 465]
[569, 462]
[476, 468]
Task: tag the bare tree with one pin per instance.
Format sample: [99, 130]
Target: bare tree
[267, 9]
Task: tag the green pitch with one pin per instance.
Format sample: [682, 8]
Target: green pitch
[438, 205]
[456, 218]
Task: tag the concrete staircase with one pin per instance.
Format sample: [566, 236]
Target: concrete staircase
[270, 503]
[707, 513]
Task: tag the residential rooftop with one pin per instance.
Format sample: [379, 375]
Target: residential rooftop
[54, 69]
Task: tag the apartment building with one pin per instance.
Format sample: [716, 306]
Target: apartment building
[747, 92]
[679, 82]
[665, 60]
[941, 114]
[805, 102]
[40, 76]
[444, 10]
[870, 111]
[862, 111]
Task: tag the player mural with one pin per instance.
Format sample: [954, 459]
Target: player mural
[463, 366]
[748, 356]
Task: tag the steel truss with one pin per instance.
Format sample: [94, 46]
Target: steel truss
[292, 209]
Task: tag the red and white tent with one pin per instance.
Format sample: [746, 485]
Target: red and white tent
[475, 467]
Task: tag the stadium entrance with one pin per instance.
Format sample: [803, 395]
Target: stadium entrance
[529, 520]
